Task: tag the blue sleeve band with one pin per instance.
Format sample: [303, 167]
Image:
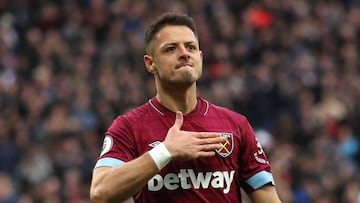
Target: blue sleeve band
[108, 162]
[260, 179]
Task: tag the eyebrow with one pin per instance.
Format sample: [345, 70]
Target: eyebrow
[176, 43]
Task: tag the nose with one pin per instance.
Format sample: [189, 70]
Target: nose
[183, 53]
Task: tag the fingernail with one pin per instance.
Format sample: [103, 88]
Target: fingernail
[177, 114]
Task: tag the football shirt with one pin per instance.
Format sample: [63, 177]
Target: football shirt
[240, 162]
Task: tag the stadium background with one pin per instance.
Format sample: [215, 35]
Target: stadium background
[67, 68]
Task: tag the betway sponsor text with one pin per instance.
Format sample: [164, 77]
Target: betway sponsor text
[186, 179]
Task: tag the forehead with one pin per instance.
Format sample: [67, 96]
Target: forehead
[175, 34]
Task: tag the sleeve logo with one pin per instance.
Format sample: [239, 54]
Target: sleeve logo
[226, 147]
[107, 145]
[260, 154]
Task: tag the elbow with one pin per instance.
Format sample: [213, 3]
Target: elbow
[98, 195]
[101, 194]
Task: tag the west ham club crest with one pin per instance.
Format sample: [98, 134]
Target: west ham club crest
[227, 146]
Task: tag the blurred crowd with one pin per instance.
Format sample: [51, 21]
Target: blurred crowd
[69, 67]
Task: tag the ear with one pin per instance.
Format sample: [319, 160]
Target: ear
[149, 64]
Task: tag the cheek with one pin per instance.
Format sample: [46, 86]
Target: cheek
[199, 63]
[164, 66]
[162, 70]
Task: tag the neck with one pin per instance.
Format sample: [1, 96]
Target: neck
[179, 99]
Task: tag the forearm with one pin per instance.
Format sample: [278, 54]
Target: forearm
[119, 183]
[265, 194]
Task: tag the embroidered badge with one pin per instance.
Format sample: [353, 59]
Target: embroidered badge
[259, 155]
[108, 142]
[226, 147]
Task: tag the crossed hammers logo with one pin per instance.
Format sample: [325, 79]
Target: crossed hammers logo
[226, 147]
[223, 146]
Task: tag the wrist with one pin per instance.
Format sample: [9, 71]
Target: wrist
[161, 155]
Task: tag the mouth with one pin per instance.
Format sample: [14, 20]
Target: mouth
[183, 65]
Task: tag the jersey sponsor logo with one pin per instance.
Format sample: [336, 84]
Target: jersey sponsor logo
[187, 179]
[107, 144]
[226, 147]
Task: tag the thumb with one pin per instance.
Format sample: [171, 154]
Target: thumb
[178, 120]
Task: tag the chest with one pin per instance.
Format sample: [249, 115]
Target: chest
[226, 158]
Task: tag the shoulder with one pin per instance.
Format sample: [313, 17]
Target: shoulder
[224, 116]
[132, 117]
[137, 114]
[226, 113]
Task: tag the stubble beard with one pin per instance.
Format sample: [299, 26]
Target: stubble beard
[182, 81]
[186, 78]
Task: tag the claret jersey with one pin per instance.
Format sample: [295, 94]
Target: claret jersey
[240, 162]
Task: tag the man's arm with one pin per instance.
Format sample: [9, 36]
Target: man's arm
[265, 194]
[116, 184]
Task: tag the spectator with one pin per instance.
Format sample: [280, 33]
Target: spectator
[292, 67]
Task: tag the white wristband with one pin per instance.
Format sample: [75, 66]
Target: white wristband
[161, 155]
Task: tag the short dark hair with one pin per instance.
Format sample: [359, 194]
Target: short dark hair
[168, 19]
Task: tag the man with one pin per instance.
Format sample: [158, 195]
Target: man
[178, 147]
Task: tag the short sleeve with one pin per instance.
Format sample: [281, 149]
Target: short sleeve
[255, 167]
[118, 144]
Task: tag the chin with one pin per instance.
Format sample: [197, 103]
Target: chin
[184, 81]
[188, 80]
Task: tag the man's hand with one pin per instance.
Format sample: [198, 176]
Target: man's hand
[185, 145]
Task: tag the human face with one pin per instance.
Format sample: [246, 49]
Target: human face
[175, 56]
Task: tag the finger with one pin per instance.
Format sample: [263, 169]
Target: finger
[211, 140]
[214, 140]
[211, 147]
[178, 120]
[206, 153]
[204, 135]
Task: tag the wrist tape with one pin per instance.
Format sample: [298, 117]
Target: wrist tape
[161, 155]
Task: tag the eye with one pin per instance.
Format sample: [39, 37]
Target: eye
[192, 47]
[170, 49]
